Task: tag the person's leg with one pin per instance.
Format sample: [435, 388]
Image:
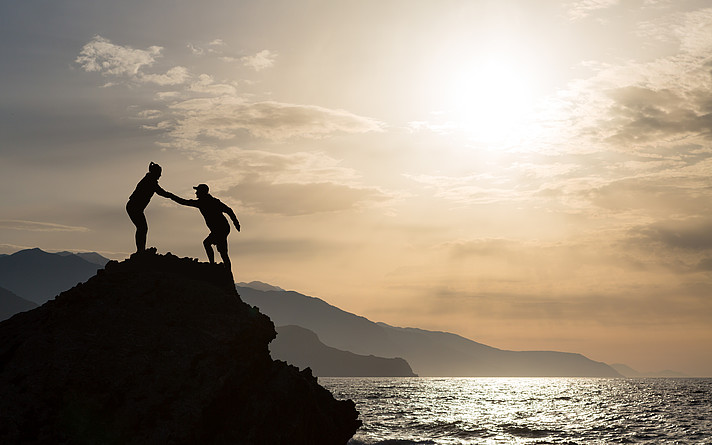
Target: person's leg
[207, 243]
[222, 248]
[139, 219]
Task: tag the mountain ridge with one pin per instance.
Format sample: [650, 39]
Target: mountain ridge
[11, 304]
[429, 353]
[303, 348]
[91, 257]
[356, 334]
[37, 276]
[627, 371]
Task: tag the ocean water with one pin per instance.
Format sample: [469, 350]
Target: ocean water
[458, 411]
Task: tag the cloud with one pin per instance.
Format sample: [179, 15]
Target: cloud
[285, 247]
[208, 117]
[295, 184]
[579, 9]
[149, 114]
[111, 60]
[275, 120]
[211, 47]
[687, 235]
[206, 84]
[202, 111]
[174, 76]
[705, 264]
[218, 48]
[645, 114]
[656, 194]
[102, 56]
[292, 199]
[481, 247]
[659, 308]
[300, 167]
[262, 60]
[196, 50]
[228, 116]
[510, 180]
[641, 266]
[639, 104]
[471, 189]
[35, 226]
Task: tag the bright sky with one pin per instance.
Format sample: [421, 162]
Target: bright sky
[528, 174]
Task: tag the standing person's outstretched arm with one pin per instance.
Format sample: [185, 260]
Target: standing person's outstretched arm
[161, 192]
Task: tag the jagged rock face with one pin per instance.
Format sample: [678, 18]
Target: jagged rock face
[157, 349]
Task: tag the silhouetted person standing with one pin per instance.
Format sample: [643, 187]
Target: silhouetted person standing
[140, 198]
[212, 210]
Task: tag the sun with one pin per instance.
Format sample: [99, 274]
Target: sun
[491, 99]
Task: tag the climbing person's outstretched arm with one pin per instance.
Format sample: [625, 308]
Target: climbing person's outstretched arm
[232, 216]
[182, 201]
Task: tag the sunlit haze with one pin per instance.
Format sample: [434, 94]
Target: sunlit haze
[532, 175]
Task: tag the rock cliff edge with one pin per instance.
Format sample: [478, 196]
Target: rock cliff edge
[157, 349]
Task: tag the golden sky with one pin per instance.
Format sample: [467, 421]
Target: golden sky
[528, 174]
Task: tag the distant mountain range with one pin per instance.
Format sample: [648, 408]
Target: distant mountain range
[11, 304]
[259, 286]
[31, 277]
[429, 353]
[37, 276]
[91, 257]
[627, 371]
[302, 348]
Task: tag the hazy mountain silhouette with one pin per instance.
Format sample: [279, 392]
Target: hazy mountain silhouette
[91, 257]
[302, 348]
[157, 349]
[429, 353]
[259, 285]
[627, 371]
[37, 276]
[11, 304]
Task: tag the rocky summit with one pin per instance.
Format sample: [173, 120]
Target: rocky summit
[157, 350]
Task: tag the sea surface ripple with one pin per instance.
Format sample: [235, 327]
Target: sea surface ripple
[458, 411]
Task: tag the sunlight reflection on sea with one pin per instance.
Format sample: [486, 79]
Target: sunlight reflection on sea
[458, 411]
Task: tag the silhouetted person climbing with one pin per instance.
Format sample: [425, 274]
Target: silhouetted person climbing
[212, 210]
[140, 198]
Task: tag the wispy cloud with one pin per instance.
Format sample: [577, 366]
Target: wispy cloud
[35, 226]
[210, 117]
[174, 76]
[300, 167]
[261, 60]
[688, 234]
[203, 110]
[639, 102]
[579, 9]
[293, 199]
[213, 47]
[228, 116]
[472, 189]
[634, 135]
[514, 178]
[293, 184]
